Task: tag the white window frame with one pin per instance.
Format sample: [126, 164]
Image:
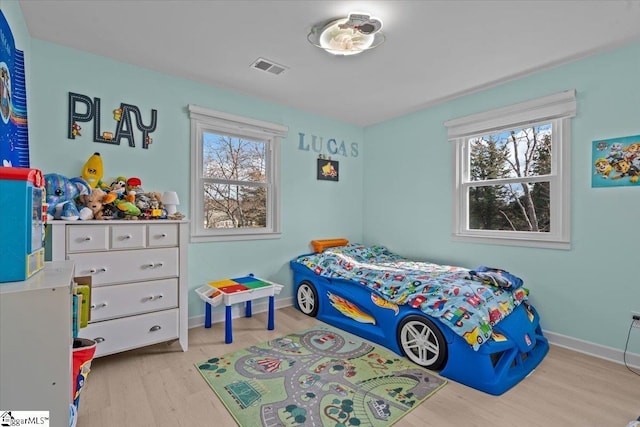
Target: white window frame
[557, 109]
[217, 122]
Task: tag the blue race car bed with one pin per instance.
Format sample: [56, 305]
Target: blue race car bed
[476, 327]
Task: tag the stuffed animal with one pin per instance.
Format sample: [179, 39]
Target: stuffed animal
[150, 205]
[109, 211]
[126, 209]
[95, 201]
[143, 201]
[61, 193]
[157, 209]
[119, 188]
[120, 205]
[134, 185]
[93, 170]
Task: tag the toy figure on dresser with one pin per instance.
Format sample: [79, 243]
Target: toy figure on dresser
[176, 216]
[92, 172]
[134, 185]
[151, 206]
[122, 209]
[119, 187]
[61, 194]
[95, 202]
[122, 202]
[109, 211]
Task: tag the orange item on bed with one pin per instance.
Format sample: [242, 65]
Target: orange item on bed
[321, 245]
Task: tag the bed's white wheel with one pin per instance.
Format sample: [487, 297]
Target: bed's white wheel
[422, 342]
[307, 297]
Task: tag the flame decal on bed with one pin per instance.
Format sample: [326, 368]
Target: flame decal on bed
[381, 302]
[349, 309]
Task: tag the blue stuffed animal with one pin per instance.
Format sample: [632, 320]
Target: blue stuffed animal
[61, 196]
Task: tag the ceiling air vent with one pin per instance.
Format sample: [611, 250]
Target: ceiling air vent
[268, 66]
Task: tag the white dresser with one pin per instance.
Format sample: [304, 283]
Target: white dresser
[139, 279]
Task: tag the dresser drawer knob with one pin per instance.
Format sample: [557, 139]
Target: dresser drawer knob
[128, 236]
[97, 306]
[155, 328]
[156, 265]
[153, 297]
[163, 235]
[87, 238]
[97, 270]
[99, 340]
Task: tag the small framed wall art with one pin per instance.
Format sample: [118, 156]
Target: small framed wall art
[616, 162]
[328, 170]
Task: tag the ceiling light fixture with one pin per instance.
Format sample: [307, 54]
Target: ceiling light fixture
[348, 36]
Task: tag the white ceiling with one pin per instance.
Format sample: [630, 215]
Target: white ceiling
[434, 51]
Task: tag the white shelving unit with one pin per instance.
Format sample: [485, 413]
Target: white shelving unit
[36, 343]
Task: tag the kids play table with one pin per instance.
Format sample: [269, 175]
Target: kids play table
[233, 291]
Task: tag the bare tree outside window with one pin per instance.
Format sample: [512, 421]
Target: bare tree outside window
[509, 171]
[235, 177]
[235, 188]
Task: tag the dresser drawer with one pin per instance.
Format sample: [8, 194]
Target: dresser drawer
[117, 335]
[127, 266]
[163, 235]
[108, 302]
[128, 236]
[84, 238]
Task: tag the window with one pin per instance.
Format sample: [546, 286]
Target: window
[512, 173]
[234, 177]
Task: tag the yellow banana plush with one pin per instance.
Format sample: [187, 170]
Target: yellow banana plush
[93, 170]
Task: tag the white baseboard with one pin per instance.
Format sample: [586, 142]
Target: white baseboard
[575, 344]
[596, 350]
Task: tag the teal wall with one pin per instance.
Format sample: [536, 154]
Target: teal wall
[587, 292]
[310, 208]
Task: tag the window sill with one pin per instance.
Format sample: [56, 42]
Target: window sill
[203, 238]
[507, 241]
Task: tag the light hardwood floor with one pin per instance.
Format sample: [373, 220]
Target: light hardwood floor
[159, 386]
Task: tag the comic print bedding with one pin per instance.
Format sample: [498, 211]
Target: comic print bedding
[467, 301]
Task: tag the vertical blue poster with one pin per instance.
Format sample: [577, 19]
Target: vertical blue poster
[14, 134]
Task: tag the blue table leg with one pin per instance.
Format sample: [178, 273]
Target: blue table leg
[207, 315]
[270, 324]
[247, 312]
[228, 334]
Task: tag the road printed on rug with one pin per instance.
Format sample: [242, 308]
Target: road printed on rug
[319, 377]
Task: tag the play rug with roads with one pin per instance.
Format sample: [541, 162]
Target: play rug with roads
[318, 377]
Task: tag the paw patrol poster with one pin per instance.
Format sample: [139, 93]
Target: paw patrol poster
[616, 162]
[14, 135]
